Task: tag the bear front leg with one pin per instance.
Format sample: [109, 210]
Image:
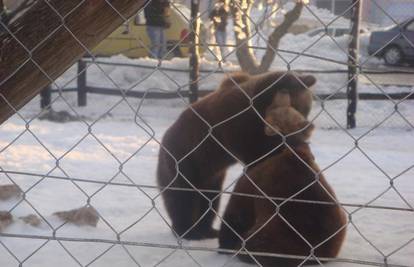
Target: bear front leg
[209, 204]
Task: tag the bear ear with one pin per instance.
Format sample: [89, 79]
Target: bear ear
[308, 80]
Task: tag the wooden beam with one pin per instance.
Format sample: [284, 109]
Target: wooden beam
[194, 52]
[353, 65]
[48, 38]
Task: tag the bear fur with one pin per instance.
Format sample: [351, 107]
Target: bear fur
[281, 118]
[214, 133]
[289, 174]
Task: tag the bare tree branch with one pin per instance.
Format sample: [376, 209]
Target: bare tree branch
[247, 60]
[274, 39]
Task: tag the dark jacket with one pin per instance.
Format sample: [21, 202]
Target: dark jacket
[157, 13]
[219, 16]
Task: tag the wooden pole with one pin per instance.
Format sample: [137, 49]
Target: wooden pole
[194, 52]
[353, 62]
[82, 89]
[48, 38]
[46, 98]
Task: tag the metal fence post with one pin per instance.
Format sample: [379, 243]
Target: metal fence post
[353, 68]
[82, 90]
[194, 53]
[45, 98]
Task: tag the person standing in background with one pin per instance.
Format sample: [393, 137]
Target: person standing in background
[157, 16]
[218, 16]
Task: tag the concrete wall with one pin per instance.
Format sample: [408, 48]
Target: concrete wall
[373, 10]
[382, 11]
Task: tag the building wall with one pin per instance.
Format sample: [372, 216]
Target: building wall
[338, 7]
[373, 11]
[381, 11]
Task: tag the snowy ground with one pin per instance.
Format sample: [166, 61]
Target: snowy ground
[117, 137]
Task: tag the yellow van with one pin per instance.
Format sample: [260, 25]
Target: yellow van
[131, 39]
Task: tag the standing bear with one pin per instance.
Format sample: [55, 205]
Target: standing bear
[272, 222]
[221, 129]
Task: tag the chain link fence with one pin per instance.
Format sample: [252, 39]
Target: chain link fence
[78, 175]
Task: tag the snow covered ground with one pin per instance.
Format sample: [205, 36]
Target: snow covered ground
[120, 139]
[117, 142]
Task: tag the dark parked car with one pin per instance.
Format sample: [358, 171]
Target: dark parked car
[394, 47]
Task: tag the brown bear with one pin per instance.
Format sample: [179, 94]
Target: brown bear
[278, 226]
[219, 130]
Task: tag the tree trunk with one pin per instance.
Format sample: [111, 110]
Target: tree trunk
[245, 55]
[48, 38]
[240, 10]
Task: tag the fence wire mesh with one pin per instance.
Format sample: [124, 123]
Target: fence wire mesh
[100, 165]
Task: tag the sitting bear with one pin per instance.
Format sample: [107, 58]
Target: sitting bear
[293, 228]
[219, 130]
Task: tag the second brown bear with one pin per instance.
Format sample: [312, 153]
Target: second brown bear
[273, 223]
